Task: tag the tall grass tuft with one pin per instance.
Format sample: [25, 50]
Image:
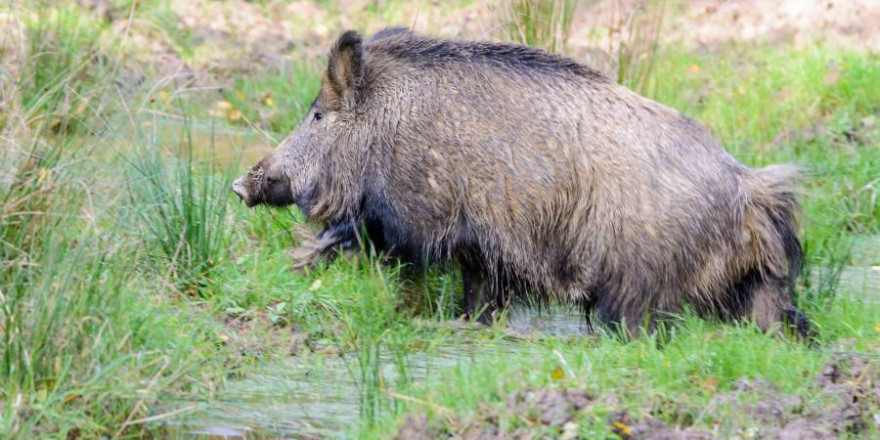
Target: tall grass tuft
[62, 81]
[539, 23]
[633, 39]
[623, 36]
[626, 34]
[82, 355]
[27, 213]
[181, 204]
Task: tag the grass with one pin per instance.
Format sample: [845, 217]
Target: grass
[623, 48]
[180, 204]
[59, 71]
[540, 23]
[131, 279]
[85, 350]
[276, 100]
[701, 360]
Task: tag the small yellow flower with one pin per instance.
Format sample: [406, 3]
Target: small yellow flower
[269, 102]
[164, 95]
[316, 285]
[877, 326]
[44, 175]
[234, 115]
[557, 374]
[622, 428]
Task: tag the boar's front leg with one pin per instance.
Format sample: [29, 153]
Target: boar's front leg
[334, 239]
[477, 300]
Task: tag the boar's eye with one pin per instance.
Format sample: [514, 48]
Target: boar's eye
[319, 116]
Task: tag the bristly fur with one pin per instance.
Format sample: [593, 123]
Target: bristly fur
[524, 59]
[543, 180]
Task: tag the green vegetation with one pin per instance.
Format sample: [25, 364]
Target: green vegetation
[134, 288]
[814, 108]
[181, 206]
[540, 23]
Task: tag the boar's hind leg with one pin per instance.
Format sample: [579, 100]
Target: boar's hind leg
[771, 307]
[477, 296]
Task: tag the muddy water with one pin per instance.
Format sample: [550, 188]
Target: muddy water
[318, 397]
[865, 277]
[861, 278]
[288, 399]
[860, 282]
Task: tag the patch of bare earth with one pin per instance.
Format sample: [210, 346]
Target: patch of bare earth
[711, 23]
[531, 414]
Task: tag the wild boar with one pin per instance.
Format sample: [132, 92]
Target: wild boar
[541, 178]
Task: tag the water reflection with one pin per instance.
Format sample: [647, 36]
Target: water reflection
[317, 397]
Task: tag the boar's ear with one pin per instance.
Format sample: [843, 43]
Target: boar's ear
[345, 72]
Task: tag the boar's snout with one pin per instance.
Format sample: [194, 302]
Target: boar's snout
[239, 188]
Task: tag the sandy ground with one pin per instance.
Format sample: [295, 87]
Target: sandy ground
[854, 24]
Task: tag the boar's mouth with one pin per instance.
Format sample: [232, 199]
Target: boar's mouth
[249, 188]
[257, 188]
[239, 188]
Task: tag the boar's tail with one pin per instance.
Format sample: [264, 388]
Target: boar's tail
[770, 219]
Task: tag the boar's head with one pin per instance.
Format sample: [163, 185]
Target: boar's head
[318, 165]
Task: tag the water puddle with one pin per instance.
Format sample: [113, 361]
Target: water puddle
[289, 399]
[860, 282]
[298, 401]
[317, 396]
[555, 323]
[860, 279]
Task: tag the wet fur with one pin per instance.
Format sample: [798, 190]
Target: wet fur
[543, 179]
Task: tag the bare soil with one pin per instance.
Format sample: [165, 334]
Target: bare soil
[710, 23]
